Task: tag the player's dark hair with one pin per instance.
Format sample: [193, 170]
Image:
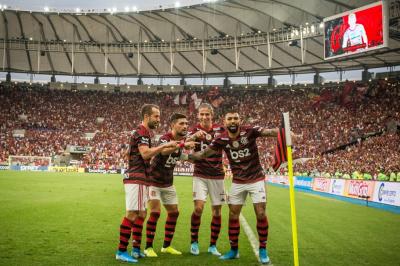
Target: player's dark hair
[147, 109]
[230, 111]
[175, 116]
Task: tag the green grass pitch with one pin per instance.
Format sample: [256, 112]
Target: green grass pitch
[73, 219]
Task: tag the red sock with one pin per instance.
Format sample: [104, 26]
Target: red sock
[137, 232]
[234, 230]
[194, 228]
[170, 228]
[262, 230]
[215, 229]
[124, 234]
[151, 228]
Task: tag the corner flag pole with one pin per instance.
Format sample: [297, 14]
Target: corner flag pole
[291, 188]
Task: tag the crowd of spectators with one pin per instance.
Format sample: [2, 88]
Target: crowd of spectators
[328, 118]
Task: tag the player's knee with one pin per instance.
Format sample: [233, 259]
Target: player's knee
[234, 215]
[142, 214]
[216, 212]
[260, 215]
[131, 215]
[198, 210]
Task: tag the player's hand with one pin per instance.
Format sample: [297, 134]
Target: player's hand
[189, 145]
[199, 135]
[171, 144]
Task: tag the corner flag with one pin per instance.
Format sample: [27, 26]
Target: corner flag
[288, 138]
[280, 148]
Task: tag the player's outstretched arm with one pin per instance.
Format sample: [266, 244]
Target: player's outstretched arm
[269, 132]
[274, 132]
[187, 145]
[147, 153]
[198, 155]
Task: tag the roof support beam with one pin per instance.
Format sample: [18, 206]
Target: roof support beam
[95, 71]
[26, 45]
[44, 38]
[6, 51]
[114, 37]
[58, 38]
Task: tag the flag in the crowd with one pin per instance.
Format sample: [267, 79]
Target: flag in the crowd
[176, 99]
[197, 103]
[280, 155]
[183, 99]
[195, 100]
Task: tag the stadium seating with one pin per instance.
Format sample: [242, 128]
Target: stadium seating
[328, 118]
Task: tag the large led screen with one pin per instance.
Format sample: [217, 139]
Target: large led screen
[355, 31]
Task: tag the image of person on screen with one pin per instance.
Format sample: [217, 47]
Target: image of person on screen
[355, 36]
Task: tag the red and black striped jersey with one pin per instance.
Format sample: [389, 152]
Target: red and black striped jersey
[242, 154]
[211, 167]
[161, 172]
[137, 166]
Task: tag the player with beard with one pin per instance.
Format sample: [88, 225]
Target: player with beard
[208, 179]
[162, 188]
[239, 143]
[136, 181]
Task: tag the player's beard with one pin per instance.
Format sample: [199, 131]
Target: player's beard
[153, 124]
[183, 133]
[233, 128]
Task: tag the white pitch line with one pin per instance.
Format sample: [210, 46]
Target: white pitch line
[250, 235]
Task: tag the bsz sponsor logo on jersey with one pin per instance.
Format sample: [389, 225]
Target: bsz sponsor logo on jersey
[239, 154]
[203, 145]
[171, 161]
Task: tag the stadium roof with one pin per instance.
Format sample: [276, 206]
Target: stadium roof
[145, 43]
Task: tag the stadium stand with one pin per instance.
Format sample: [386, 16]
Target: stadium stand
[347, 128]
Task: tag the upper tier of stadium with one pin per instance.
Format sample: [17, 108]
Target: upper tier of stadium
[235, 38]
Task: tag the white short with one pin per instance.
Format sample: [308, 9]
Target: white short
[136, 197]
[238, 193]
[167, 195]
[213, 187]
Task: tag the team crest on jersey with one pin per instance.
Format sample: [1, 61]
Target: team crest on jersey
[244, 140]
[208, 137]
[235, 144]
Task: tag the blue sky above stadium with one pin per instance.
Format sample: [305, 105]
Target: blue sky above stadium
[122, 5]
